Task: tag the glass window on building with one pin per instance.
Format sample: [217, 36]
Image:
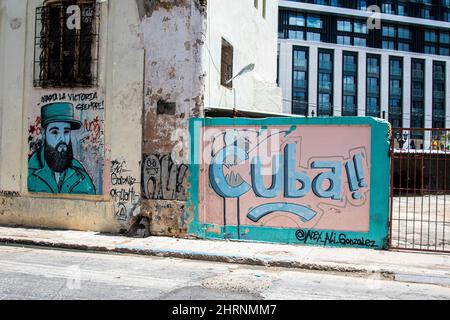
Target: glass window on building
[314, 21]
[346, 40]
[296, 19]
[325, 89]
[430, 49]
[445, 38]
[388, 45]
[439, 95]
[396, 91]
[404, 33]
[444, 51]
[373, 86]
[362, 5]
[387, 7]
[360, 42]
[402, 46]
[389, 31]
[313, 36]
[344, 25]
[300, 81]
[361, 27]
[350, 83]
[417, 97]
[296, 34]
[401, 9]
[430, 36]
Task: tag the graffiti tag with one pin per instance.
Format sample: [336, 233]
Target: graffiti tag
[332, 238]
[163, 179]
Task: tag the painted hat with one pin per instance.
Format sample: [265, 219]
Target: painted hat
[59, 112]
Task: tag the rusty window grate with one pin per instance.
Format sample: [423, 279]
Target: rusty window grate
[63, 56]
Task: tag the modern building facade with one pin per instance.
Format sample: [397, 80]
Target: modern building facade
[387, 59]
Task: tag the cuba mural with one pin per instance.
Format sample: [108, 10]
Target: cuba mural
[66, 143]
[310, 181]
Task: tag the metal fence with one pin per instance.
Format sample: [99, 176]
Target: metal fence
[420, 217]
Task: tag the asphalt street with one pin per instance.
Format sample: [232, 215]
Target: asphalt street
[40, 273]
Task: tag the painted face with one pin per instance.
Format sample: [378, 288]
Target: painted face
[58, 132]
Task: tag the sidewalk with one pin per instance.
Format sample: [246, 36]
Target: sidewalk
[403, 266]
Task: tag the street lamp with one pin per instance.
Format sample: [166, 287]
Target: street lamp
[248, 68]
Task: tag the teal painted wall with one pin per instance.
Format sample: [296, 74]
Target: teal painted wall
[368, 203]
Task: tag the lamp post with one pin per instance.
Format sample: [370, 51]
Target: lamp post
[248, 68]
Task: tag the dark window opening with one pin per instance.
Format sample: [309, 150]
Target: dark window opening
[66, 53]
[226, 73]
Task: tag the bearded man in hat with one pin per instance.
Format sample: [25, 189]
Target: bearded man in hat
[52, 168]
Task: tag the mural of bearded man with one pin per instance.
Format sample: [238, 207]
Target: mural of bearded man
[52, 168]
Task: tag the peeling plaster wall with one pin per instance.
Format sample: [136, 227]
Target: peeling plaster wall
[13, 34]
[120, 90]
[254, 40]
[173, 33]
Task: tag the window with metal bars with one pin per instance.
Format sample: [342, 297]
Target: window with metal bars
[66, 44]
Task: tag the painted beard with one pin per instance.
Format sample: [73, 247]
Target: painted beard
[59, 158]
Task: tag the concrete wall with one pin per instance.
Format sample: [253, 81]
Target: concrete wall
[184, 74]
[254, 40]
[109, 143]
[174, 80]
[155, 73]
[290, 182]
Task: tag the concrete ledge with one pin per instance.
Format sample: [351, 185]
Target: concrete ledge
[45, 211]
[386, 264]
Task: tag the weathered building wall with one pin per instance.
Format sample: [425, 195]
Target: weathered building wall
[106, 142]
[129, 133]
[254, 40]
[174, 93]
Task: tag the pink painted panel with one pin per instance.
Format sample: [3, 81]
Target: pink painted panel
[312, 147]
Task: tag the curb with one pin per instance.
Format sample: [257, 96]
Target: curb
[265, 261]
